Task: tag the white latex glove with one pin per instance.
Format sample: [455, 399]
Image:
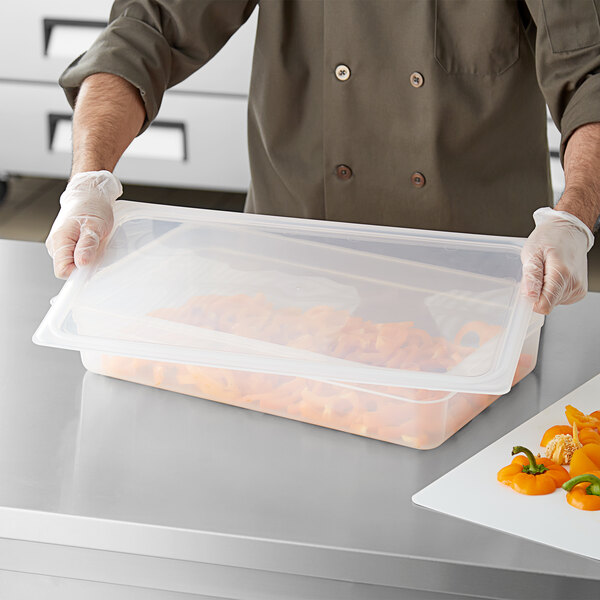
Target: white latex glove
[555, 259]
[84, 220]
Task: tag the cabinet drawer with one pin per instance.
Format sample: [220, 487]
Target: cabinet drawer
[29, 27]
[211, 129]
[46, 37]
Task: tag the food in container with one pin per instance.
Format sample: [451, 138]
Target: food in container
[394, 334]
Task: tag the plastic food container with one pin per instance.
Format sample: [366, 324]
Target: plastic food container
[399, 335]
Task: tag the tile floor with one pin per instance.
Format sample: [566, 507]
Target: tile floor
[31, 204]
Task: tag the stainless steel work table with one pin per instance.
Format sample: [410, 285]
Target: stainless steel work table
[124, 490]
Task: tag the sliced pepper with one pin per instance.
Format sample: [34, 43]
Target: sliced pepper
[528, 476]
[581, 419]
[589, 436]
[585, 459]
[481, 332]
[584, 491]
[553, 432]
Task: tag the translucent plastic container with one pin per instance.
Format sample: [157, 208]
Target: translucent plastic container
[399, 335]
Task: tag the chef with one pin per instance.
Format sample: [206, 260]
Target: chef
[412, 113]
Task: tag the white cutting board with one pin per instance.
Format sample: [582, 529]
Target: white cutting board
[472, 492]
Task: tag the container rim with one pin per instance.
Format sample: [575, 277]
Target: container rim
[49, 333]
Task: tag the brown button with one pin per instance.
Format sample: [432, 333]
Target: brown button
[343, 172]
[416, 79]
[417, 179]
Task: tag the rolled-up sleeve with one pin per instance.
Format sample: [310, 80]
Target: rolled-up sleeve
[567, 48]
[155, 44]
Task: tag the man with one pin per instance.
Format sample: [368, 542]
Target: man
[413, 113]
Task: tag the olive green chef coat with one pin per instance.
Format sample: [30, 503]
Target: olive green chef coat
[414, 113]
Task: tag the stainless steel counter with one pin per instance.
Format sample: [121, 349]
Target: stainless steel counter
[114, 483]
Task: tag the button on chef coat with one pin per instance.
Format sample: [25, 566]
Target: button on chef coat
[416, 79]
[343, 172]
[417, 179]
[342, 72]
[477, 129]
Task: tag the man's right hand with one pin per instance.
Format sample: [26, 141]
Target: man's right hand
[84, 221]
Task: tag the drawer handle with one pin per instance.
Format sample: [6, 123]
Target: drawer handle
[67, 38]
[163, 140]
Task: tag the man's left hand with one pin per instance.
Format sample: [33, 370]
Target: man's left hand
[555, 260]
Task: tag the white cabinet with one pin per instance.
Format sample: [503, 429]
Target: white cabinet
[211, 132]
[26, 33]
[44, 37]
[199, 139]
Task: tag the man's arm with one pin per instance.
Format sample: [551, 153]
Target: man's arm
[109, 113]
[564, 37]
[582, 175]
[152, 46]
[554, 256]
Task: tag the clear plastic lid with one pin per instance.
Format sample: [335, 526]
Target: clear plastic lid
[334, 301]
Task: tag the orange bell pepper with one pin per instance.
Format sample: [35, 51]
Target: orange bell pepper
[584, 491]
[589, 436]
[585, 459]
[580, 419]
[553, 432]
[528, 476]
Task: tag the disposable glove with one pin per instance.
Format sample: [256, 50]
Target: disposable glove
[84, 221]
[555, 260]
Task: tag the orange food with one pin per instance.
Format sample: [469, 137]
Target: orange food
[584, 491]
[326, 330]
[580, 419]
[531, 476]
[585, 460]
[416, 417]
[482, 331]
[561, 447]
[589, 436]
[553, 432]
